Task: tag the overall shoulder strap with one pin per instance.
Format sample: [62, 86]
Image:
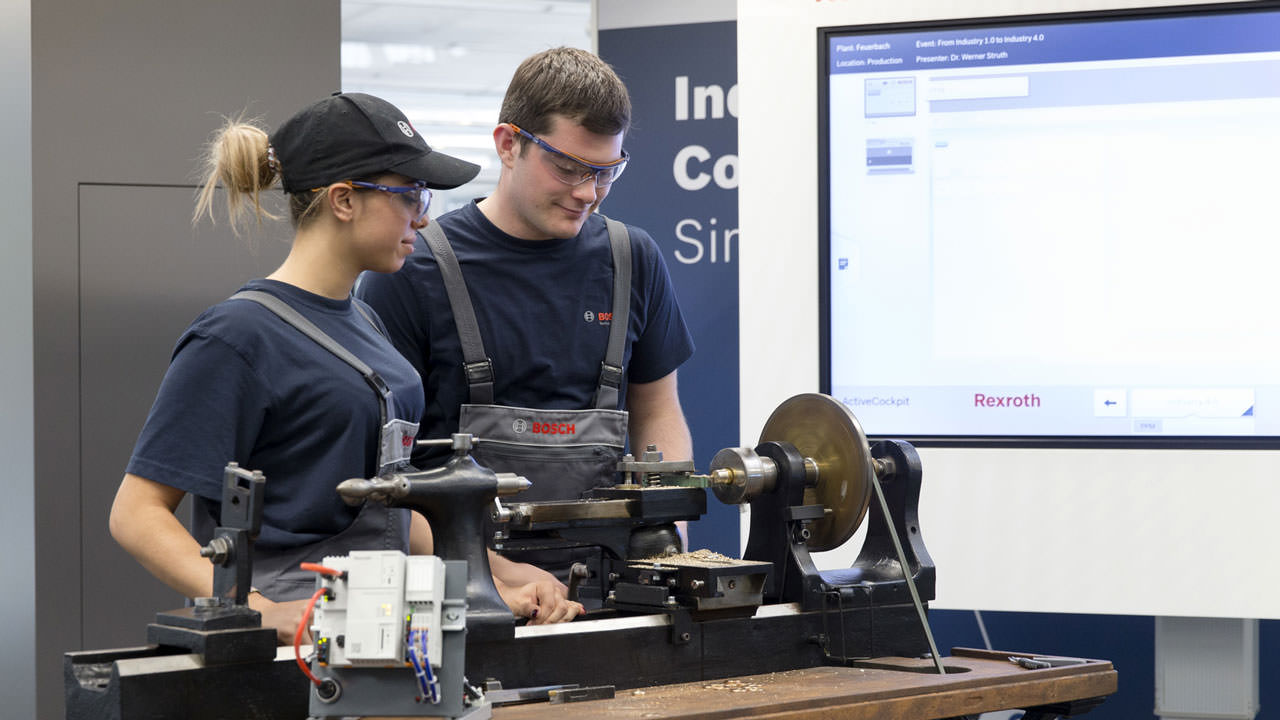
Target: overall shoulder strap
[287, 313]
[475, 363]
[611, 370]
[364, 314]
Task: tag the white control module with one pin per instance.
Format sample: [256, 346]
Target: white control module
[385, 611]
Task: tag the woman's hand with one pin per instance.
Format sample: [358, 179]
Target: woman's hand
[283, 616]
[542, 601]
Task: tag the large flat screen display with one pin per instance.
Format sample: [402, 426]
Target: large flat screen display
[1055, 228]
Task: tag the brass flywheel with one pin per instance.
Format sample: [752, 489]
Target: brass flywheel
[825, 432]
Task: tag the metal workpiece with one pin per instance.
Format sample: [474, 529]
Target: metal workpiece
[740, 475]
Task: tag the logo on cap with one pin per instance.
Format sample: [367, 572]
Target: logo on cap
[405, 128]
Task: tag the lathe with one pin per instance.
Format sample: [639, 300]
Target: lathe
[416, 636]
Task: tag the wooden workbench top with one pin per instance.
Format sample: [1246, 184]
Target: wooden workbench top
[887, 689]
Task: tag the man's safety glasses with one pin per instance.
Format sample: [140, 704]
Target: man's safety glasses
[573, 170]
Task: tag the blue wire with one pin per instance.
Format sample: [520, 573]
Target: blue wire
[418, 673]
[431, 678]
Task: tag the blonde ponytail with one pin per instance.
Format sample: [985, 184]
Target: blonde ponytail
[241, 160]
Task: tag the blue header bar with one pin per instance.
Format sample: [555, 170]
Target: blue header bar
[1115, 38]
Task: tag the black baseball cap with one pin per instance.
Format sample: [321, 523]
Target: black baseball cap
[348, 136]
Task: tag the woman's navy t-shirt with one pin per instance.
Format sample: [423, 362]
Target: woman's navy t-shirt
[245, 386]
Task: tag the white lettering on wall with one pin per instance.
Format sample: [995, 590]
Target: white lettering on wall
[707, 101]
[715, 246]
[690, 173]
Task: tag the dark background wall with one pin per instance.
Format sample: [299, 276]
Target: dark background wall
[124, 94]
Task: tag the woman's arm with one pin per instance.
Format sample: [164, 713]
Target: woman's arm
[142, 521]
[421, 541]
[532, 592]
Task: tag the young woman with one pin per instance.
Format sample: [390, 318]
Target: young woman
[244, 385]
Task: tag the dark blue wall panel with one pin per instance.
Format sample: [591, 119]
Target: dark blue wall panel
[696, 228]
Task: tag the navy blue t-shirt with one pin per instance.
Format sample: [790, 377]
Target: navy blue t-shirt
[543, 309]
[245, 386]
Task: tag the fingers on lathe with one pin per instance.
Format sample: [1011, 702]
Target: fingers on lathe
[538, 616]
[551, 593]
[527, 608]
[565, 611]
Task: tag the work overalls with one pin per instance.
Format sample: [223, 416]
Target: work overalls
[377, 527]
[563, 453]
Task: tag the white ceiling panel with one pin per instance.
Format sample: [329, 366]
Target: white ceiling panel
[446, 64]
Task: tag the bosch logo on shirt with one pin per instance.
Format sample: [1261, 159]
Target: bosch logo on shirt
[520, 425]
[604, 318]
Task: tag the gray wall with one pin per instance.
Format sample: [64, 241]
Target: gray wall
[17, 522]
[123, 96]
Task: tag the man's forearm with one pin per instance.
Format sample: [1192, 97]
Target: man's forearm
[671, 437]
[514, 573]
[656, 419]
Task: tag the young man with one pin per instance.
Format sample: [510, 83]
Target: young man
[536, 370]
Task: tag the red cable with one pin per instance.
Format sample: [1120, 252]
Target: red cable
[297, 636]
[314, 567]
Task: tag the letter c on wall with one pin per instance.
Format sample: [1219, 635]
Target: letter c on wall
[680, 168]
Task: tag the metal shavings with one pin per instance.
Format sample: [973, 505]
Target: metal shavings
[697, 557]
[737, 686]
